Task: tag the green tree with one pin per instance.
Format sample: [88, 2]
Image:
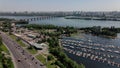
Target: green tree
[59, 64]
[0, 40]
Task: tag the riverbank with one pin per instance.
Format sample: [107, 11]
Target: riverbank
[93, 18]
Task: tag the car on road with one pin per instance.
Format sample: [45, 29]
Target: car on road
[19, 60]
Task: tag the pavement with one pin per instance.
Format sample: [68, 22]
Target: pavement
[22, 58]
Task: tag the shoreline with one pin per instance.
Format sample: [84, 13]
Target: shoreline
[93, 18]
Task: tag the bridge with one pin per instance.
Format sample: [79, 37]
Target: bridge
[37, 18]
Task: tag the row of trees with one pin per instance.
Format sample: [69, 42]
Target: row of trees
[5, 19]
[59, 30]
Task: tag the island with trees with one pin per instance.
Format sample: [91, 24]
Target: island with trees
[110, 32]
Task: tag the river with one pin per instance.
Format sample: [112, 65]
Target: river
[60, 21]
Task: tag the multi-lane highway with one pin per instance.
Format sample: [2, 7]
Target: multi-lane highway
[22, 59]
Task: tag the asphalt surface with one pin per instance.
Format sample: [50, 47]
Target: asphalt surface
[22, 58]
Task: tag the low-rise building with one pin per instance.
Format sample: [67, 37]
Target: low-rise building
[38, 46]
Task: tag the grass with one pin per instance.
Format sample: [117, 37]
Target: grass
[13, 37]
[50, 64]
[74, 34]
[41, 58]
[32, 51]
[3, 48]
[19, 41]
[1, 65]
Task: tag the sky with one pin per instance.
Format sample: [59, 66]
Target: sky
[59, 5]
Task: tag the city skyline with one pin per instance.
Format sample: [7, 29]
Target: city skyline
[59, 5]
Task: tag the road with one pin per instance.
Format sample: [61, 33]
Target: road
[22, 59]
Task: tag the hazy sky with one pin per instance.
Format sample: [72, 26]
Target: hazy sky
[59, 5]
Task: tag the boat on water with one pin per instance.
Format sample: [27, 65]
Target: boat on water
[107, 54]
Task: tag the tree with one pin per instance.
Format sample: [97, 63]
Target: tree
[10, 28]
[50, 57]
[59, 64]
[0, 40]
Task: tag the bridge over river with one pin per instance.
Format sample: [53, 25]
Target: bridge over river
[38, 18]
